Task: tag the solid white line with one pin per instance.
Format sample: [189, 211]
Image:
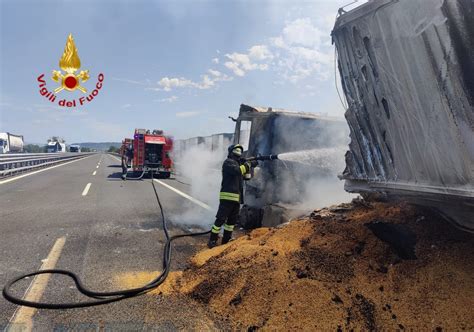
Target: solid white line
[192, 199]
[39, 171]
[86, 189]
[115, 158]
[22, 319]
[95, 172]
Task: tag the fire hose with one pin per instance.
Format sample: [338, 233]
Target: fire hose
[138, 178]
[102, 297]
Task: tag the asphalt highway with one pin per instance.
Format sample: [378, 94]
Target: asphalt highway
[82, 217]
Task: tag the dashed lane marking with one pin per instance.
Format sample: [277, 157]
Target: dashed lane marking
[95, 172]
[192, 199]
[22, 319]
[86, 189]
[39, 171]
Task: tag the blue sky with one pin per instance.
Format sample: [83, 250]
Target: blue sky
[181, 66]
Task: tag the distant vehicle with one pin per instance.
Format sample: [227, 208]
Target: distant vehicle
[75, 148]
[54, 147]
[10, 143]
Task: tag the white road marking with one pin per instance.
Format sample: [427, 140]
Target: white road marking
[39, 171]
[192, 199]
[86, 189]
[22, 319]
[115, 158]
[95, 172]
[97, 166]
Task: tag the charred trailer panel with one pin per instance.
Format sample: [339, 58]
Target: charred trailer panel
[407, 71]
[268, 131]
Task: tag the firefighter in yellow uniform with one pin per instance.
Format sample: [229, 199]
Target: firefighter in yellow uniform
[231, 195]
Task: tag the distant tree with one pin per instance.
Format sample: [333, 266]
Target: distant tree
[83, 149]
[33, 148]
[112, 149]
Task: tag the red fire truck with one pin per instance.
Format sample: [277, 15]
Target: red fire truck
[152, 152]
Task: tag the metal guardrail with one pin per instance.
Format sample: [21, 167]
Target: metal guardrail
[12, 164]
[18, 156]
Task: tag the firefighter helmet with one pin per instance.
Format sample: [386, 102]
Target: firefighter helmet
[234, 149]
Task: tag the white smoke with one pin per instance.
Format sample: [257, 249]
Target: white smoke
[307, 178]
[312, 161]
[200, 168]
[322, 192]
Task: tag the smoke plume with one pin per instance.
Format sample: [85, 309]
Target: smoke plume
[200, 169]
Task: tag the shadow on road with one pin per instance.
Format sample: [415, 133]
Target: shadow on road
[115, 176]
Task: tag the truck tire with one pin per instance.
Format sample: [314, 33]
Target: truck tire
[165, 175]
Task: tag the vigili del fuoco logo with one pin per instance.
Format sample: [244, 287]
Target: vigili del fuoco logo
[68, 79]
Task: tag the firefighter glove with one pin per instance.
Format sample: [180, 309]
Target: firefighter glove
[248, 165]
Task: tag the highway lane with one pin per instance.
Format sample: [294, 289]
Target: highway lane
[111, 231]
[30, 220]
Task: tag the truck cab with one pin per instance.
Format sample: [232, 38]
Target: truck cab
[55, 147]
[3, 145]
[75, 148]
[266, 130]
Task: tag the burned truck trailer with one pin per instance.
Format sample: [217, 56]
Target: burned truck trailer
[269, 131]
[407, 72]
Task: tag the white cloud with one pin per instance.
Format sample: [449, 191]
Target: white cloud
[171, 99]
[240, 63]
[302, 32]
[215, 73]
[168, 83]
[235, 68]
[260, 52]
[299, 52]
[187, 114]
[303, 51]
[126, 106]
[207, 82]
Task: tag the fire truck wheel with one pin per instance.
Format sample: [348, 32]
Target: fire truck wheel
[165, 175]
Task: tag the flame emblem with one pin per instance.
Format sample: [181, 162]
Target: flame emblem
[70, 63]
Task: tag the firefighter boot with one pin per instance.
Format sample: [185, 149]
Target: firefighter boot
[227, 237]
[213, 240]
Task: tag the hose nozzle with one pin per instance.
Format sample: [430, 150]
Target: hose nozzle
[263, 158]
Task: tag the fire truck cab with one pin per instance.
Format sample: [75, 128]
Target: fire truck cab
[152, 152]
